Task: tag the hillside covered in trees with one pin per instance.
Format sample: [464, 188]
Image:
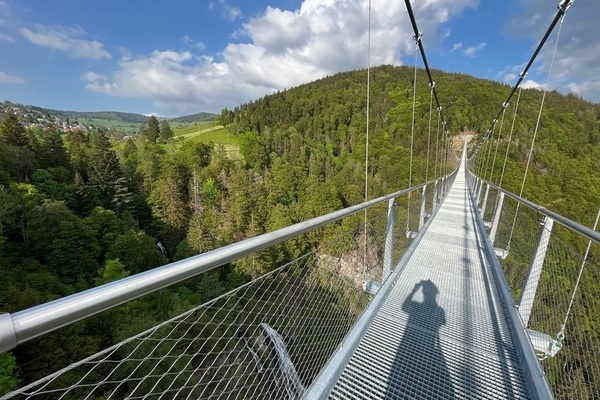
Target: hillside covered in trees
[83, 211]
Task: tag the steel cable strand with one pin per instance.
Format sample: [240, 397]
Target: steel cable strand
[561, 333]
[537, 125]
[412, 136]
[432, 86]
[364, 272]
[495, 154]
[497, 144]
[490, 146]
[563, 6]
[510, 135]
[437, 144]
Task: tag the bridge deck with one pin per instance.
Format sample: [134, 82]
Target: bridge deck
[441, 332]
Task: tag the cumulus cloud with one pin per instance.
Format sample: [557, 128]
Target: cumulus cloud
[531, 84]
[576, 67]
[471, 51]
[67, 40]
[7, 78]
[278, 49]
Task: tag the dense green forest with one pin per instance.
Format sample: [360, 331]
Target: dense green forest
[84, 210]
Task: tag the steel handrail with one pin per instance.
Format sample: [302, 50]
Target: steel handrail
[21, 326]
[576, 227]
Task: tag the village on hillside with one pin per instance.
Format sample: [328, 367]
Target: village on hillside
[35, 117]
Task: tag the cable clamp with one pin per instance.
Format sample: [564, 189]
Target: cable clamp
[564, 5]
[440, 109]
[522, 75]
[432, 85]
[418, 37]
[505, 105]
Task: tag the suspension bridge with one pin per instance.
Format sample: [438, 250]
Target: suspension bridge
[477, 296]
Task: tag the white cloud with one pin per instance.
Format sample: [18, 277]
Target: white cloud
[279, 49]
[222, 6]
[6, 38]
[233, 13]
[531, 84]
[90, 76]
[67, 40]
[509, 77]
[576, 67]
[456, 46]
[7, 78]
[471, 51]
[193, 43]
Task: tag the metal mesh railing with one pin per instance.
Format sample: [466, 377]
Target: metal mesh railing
[268, 338]
[228, 348]
[568, 352]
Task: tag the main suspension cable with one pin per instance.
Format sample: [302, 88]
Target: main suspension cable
[418, 36]
[537, 125]
[539, 117]
[563, 6]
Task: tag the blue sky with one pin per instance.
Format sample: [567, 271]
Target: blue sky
[180, 57]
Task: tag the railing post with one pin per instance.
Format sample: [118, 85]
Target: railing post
[435, 193]
[485, 198]
[496, 217]
[389, 242]
[443, 191]
[423, 201]
[535, 271]
[479, 191]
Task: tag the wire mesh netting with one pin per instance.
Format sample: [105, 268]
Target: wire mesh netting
[564, 317]
[267, 339]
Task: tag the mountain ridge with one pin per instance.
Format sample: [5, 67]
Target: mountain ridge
[119, 120]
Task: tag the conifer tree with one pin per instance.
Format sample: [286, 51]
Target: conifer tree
[104, 170]
[78, 149]
[166, 132]
[104, 167]
[153, 129]
[12, 132]
[53, 152]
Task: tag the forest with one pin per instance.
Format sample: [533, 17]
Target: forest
[86, 209]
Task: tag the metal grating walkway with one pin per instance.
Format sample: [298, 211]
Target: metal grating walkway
[441, 332]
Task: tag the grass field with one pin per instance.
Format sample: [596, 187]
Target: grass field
[181, 128]
[209, 132]
[110, 124]
[206, 132]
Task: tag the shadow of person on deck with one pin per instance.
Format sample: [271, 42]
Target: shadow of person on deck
[419, 369]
